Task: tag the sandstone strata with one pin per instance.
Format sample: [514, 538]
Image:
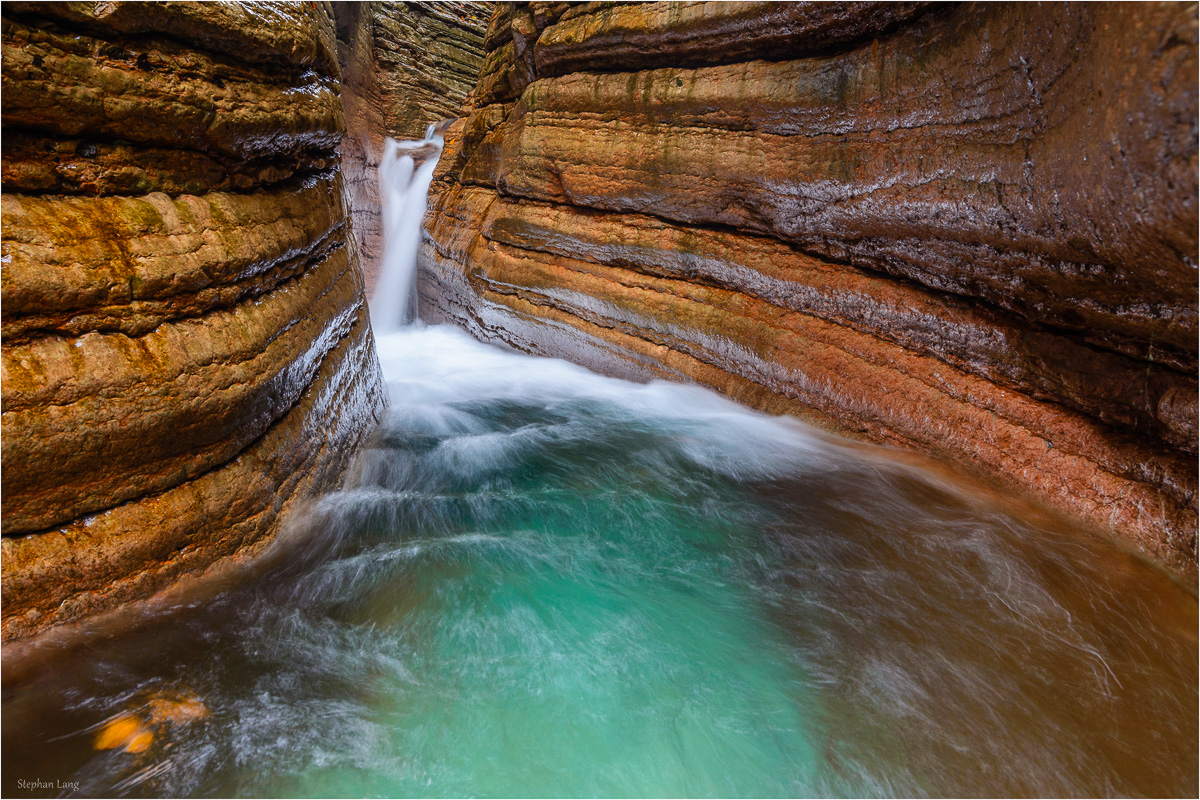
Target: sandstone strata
[186, 350]
[404, 66]
[969, 230]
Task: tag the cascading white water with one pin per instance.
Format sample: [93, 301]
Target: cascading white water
[404, 177]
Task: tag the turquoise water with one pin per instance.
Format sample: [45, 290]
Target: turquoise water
[541, 582]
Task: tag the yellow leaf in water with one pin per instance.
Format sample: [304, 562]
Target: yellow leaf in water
[119, 732]
[133, 733]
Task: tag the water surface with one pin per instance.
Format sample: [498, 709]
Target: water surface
[542, 582]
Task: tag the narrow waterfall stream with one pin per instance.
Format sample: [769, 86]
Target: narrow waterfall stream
[405, 173]
[543, 582]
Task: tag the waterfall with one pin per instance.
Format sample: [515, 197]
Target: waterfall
[404, 177]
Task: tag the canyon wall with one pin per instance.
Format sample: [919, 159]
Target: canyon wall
[404, 65]
[966, 229]
[186, 350]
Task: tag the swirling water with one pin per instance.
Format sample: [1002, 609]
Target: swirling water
[543, 582]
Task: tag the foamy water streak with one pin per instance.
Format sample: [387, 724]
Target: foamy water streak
[405, 173]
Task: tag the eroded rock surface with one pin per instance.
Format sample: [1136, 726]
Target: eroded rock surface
[970, 229]
[186, 351]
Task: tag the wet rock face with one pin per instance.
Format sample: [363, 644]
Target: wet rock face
[428, 55]
[969, 230]
[404, 65]
[186, 352]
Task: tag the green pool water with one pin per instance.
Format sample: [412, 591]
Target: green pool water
[541, 582]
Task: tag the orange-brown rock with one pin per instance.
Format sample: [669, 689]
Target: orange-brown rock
[186, 351]
[362, 147]
[970, 229]
[606, 37]
[156, 91]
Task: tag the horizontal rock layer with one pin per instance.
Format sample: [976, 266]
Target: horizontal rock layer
[186, 350]
[629, 36]
[970, 230]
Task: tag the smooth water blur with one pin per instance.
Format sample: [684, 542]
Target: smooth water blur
[545, 582]
[405, 172]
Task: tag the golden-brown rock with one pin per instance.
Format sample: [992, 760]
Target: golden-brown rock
[186, 350]
[627, 36]
[128, 552]
[428, 56]
[161, 93]
[130, 263]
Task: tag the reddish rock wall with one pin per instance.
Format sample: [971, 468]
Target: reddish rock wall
[186, 353]
[970, 230]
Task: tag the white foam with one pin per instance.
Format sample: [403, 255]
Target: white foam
[428, 368]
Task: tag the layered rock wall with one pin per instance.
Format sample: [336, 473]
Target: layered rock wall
[404, 66]
[969, 230]
[186, 351]
[429, 56]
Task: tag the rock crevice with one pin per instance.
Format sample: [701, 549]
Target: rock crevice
[406, 65]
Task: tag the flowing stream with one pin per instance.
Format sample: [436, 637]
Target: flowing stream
[543, 582]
